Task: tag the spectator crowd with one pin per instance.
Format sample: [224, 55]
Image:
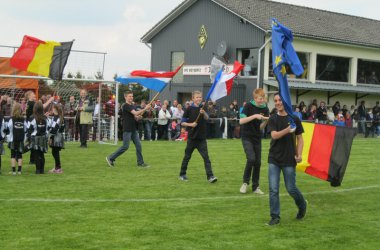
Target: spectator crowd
[163, 120]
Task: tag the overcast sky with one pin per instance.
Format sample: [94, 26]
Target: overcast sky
[115, 26]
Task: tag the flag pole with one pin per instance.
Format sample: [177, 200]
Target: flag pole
[154, 98]
[207, 98]
[151, 102]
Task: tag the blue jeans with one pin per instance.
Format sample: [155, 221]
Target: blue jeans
[289, 173]
[148, 130]
[362, 125]
[127, 137]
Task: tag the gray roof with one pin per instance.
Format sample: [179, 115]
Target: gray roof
[329, 86]
[304, 22]
[308, 22]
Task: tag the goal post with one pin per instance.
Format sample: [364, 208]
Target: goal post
[103, 93]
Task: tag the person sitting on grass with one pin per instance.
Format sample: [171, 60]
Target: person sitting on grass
[183, 135]
[175, 130]
[196, 137]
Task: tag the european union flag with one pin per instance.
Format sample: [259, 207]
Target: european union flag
[283, 54]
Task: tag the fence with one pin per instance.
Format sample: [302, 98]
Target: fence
[83, 71]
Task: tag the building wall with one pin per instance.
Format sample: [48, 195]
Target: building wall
[315, 47]
[344, 99]
[182, 35]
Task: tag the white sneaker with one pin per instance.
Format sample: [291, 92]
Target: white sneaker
[243, 188]
[258, 191]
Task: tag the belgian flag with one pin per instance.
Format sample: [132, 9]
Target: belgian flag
[326, 151]
[43, 58]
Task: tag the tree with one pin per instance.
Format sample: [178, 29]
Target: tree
[139, 93]
[79, 84]
[99, 75]
[43, 88]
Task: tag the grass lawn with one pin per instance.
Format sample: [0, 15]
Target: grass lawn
[93, 206]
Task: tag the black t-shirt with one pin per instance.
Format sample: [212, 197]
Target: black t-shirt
[41, 127]
[320, 115]
[29, 109]
[283, 150]
[18, 129]
[252, 128]
[189, 116]
[129, 122]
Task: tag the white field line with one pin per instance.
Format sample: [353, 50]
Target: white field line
[136, 200]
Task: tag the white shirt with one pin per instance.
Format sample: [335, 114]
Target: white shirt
[178, 114]
[96, 110]
[163, 117]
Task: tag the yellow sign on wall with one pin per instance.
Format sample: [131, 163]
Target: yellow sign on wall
[202, 37]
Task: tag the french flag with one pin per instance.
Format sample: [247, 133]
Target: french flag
[223, 83]
[151, 80]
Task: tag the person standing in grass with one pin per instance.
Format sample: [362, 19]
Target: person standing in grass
[2, 136]
[56, 139]
[196, 136]
[30, 96]
[284, 154]
[84, 116]
[15, 130]
[129, 117]
[38, 128]
[253, 118]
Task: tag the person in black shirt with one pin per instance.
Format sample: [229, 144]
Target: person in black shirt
[38, 129]
[322, 113]
[129, 116]
[15, 131]
[362, 111]
[284, 154]
[254, 112]
[194, 118]
[56, 126]
[2, 124]
[30, 96]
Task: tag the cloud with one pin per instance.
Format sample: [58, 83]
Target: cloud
[134, 13]
[364, 8]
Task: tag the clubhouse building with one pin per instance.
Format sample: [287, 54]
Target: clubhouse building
[340, 53]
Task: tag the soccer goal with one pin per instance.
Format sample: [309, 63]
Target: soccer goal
[84, 70]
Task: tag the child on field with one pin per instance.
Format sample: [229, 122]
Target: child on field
[15, 130]
[56, 140]
[2, 135]
[183, 135]
[196, 136]
[38, 128]
[253, 118]
[175, 130]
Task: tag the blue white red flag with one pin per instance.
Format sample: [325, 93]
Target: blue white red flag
[223, 83]
[151, 80]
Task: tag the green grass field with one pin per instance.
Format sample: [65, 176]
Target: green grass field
[93, 206]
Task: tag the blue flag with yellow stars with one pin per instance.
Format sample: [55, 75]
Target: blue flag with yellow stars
[284, 54]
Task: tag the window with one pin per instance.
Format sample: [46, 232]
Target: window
[177, 59]
[368, 72]
[332, 68]
[304, 59]
[249, 58]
